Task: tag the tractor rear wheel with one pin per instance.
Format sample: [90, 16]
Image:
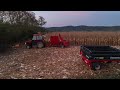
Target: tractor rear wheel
[40, 45]
[28, 47]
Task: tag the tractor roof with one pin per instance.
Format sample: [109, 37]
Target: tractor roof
[36, 34]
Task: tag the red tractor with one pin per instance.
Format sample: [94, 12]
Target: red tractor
[39, 42]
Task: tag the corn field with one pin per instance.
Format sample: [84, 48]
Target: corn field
[89, 38]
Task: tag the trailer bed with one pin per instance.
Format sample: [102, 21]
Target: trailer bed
[100, 52]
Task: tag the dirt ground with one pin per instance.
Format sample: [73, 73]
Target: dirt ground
[52, 63]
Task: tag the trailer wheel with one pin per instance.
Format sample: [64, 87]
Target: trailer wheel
[96, 66]
[62, 46]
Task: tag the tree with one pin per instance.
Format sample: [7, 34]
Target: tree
[41, 21]
[21, 18]
[1, 16]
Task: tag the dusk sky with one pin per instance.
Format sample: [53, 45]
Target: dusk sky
[75, 18]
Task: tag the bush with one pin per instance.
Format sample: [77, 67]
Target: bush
[10, 34]
[3, 46]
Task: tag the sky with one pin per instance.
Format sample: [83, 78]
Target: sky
[76, 18]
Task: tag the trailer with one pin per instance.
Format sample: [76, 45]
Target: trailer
[94, 56]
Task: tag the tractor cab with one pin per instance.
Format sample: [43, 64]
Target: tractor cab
[37, 37]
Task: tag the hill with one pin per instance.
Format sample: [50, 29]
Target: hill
[84, 28]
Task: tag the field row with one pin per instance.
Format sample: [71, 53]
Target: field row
[89, 38]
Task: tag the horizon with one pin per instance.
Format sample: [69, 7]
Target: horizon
[84, 25]
[76, 18]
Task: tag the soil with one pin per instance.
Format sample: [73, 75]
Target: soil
[52, 63]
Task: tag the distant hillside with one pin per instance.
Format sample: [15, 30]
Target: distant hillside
[84, 28]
